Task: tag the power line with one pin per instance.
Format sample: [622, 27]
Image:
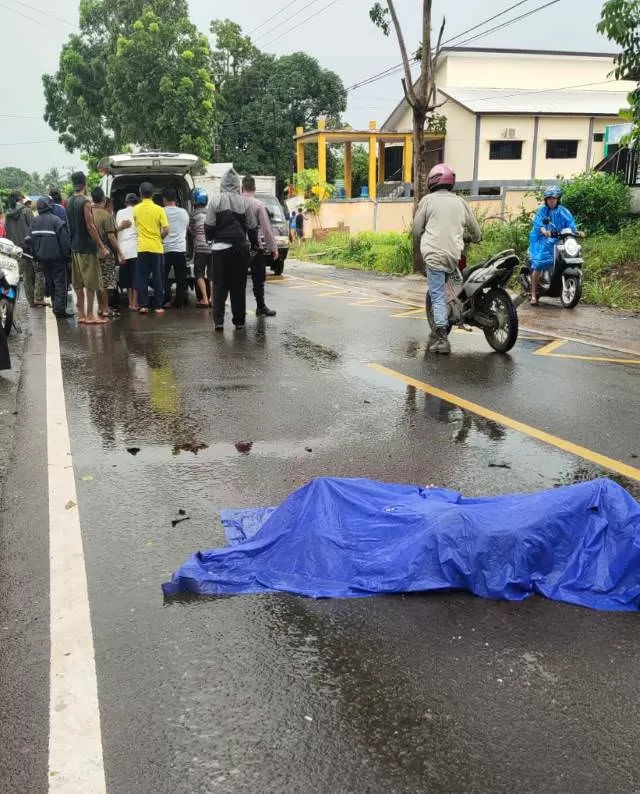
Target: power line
[485, 22]
[306, 19]
[285, 7]
[20, 13]
[398, 67]
[51, 16]
[509, 22]
[29, 143]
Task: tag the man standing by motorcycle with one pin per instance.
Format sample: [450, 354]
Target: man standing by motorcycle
[551, 216]
[440, 223]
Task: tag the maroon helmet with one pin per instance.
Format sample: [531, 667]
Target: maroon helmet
[441, 176]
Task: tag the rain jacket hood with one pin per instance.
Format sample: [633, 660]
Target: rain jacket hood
[43, 205]
[16, 212]
[230, 182]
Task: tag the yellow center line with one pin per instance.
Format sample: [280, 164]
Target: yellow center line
[332, 293]
[633, 361]
[540, 435]
[410, 313]
[366, 302]
[547, 350]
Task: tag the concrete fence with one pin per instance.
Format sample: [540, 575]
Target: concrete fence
[394, 215]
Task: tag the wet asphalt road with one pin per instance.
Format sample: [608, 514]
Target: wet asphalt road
[427, 693]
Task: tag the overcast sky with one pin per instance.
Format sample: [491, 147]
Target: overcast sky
[340, 37]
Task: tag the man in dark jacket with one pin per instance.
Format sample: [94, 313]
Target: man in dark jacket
[229, 221]
[18, 222]
[52, 248]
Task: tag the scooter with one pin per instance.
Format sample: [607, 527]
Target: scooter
[478, 296]
[9, 283]
[564, 279]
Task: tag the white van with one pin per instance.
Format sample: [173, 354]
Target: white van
[123, 173]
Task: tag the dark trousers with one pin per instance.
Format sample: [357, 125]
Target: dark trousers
[229, 276]
[150, 264]
[177, 260]
[258, 277]
[55, 273]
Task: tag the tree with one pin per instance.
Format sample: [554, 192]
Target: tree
[359, 168]
[421, 95]
[16, 179]
[264, 98]
[233, 52]
[138, 73]
[620, 22]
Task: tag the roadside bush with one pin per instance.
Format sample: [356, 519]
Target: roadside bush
[498, 235]
[599, 202]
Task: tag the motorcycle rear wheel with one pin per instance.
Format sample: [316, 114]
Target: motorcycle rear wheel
[571, 292]
[6, 315]
[498, 302]
[430, 319]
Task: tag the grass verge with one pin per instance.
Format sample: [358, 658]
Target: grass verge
[612, 261]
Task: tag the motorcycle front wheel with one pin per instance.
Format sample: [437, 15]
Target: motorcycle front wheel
[431, 321]
[6, 315]
[571, 292]
[498, 303]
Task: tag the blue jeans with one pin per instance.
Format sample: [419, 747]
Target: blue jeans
[436, 280]
[150, 264]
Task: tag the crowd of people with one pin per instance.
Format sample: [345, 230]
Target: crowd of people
[85, 244]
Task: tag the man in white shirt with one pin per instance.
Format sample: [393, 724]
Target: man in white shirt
[128, 244]
[175, 248]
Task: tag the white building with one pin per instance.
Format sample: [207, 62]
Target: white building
[519, 116]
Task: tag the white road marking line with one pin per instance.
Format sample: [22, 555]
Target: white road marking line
[75, 742]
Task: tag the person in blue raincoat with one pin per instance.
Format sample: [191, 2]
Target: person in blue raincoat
[551, 216]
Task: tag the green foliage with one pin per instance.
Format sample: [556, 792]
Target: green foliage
[599, 201]
[499, 235]
[389, 252]
[381, 18]
[314, 189]
[29, 184]
[611, 271]
[359, 167]
[138, 73]
[264, 98]
[620, 22]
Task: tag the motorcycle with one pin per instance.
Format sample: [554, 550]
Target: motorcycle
[564, 279]
[9, 283]
[478, 296]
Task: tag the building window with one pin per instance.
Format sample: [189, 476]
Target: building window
[505, 150]
[598, 137]
[562, 150]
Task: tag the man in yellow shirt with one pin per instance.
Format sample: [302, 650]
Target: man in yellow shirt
[152, 225]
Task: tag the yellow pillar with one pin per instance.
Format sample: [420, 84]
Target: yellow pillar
[380, 162]
[299, 151]
[373, 171]
[347, 170]
[322, 150]
[407, 160]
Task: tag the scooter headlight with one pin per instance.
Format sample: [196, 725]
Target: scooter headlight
[571, 246]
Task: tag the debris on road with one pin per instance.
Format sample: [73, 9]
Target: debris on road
[194, 447]
[182, 516]
[133, 450]
[244, 446]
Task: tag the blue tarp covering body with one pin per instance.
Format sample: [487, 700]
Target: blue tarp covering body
[354, 537]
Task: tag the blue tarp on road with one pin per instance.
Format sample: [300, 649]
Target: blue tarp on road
[353, 537]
